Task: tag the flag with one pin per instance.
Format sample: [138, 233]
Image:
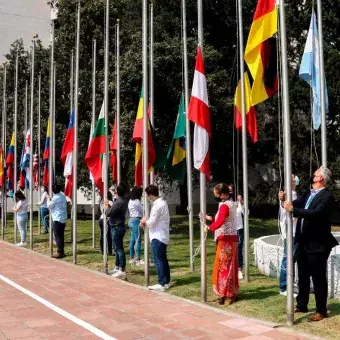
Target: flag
[25, 180]
[177, 151]
[46, 155]
[113, 149]
[2, 167]
[67, 157]
[250, 110]
[138, 138]
[10, 165]
[199, 113]
[91, 133]
[260, 54]
[94, 154]
[310, 70]
[36, 171]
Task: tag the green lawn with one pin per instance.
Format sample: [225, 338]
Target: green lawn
[259, 298]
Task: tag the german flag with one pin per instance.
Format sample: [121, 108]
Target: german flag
[260, 54]
[250, 110]
[138, 138]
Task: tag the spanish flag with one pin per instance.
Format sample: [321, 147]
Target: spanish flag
[250, 110]
[138, 138]
[260, 54]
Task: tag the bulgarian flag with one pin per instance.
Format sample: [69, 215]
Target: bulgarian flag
[94, 154]
[199, 113]
[138, 138]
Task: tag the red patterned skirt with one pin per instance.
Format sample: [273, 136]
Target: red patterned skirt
[225, 271]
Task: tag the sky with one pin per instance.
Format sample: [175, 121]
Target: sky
[23, 19]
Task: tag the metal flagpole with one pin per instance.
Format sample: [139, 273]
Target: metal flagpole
[15, 138]
[188, 137]
[151, 80]
[118, 105]
[203, 198]
[322, 88]
[75, 142]
[39, 151]
[93, 124]
[145, 136]
[288, 163]
[106, 113]
[244, 144]
[26, 107]
[31, 144]
[50, 161]
[4, 133]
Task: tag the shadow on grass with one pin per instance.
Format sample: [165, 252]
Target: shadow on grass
[259, 293]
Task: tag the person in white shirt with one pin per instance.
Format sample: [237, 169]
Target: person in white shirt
[283, 217]
[158, 224]
[21, 208]
[43, 208]
[135, 213]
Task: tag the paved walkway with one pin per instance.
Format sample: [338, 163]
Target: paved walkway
[42, 298]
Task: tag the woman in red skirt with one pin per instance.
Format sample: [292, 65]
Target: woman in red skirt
[225, 271]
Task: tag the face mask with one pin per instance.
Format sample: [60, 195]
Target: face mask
[297, 180]
[218, 199]
[150, 201]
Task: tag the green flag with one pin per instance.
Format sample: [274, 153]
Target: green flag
[177, 152]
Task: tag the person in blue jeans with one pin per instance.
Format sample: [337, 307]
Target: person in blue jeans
[136, 213]
[158, 224]
[283, 216]
[43, 209]
[116, 214]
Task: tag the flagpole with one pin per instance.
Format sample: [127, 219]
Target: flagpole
[39, 151]
[31, 146]
[94, 64]
[50, 160]
[75, 142]
[152, 117]
[26, 107]
[4, 145]
[288, 163]
[106, 113]
[203, 198]
[145, 137]
[118, 106]
[188, 137]
[244, 144]
[15, 139]
[322, 88]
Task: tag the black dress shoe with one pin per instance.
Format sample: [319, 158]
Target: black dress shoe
[301, 310]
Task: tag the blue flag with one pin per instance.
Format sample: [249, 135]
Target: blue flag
[310, 70]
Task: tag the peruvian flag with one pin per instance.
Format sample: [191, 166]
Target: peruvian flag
[199, 113]
[67, 157]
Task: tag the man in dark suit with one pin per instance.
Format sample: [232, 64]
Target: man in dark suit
[315, 241]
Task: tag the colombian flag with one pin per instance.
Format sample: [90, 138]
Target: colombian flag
[10, 165]
[2, 168]
[177, 152]
[250, 110]
[46, 156]
[138, 138]
[260, 54]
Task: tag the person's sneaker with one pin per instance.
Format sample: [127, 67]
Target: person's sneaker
[140, 263]
[112, 271]
[284, 293]
[157, 287]
[24, 244]
[20, 244]
[119, 275]
[240, 275]
[168, 285]
[132, 261]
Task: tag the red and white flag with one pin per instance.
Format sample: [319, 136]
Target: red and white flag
[199, 113]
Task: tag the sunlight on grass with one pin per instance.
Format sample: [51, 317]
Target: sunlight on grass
[258, 299]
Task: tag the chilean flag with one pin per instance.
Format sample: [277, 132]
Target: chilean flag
[199, 113]
[67, 157]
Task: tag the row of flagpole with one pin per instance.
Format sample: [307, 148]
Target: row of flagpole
[146, 178]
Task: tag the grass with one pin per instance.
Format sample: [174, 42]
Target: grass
[259, 298]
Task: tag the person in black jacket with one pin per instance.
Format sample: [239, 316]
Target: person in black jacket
[116, 214]
[315, 241]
